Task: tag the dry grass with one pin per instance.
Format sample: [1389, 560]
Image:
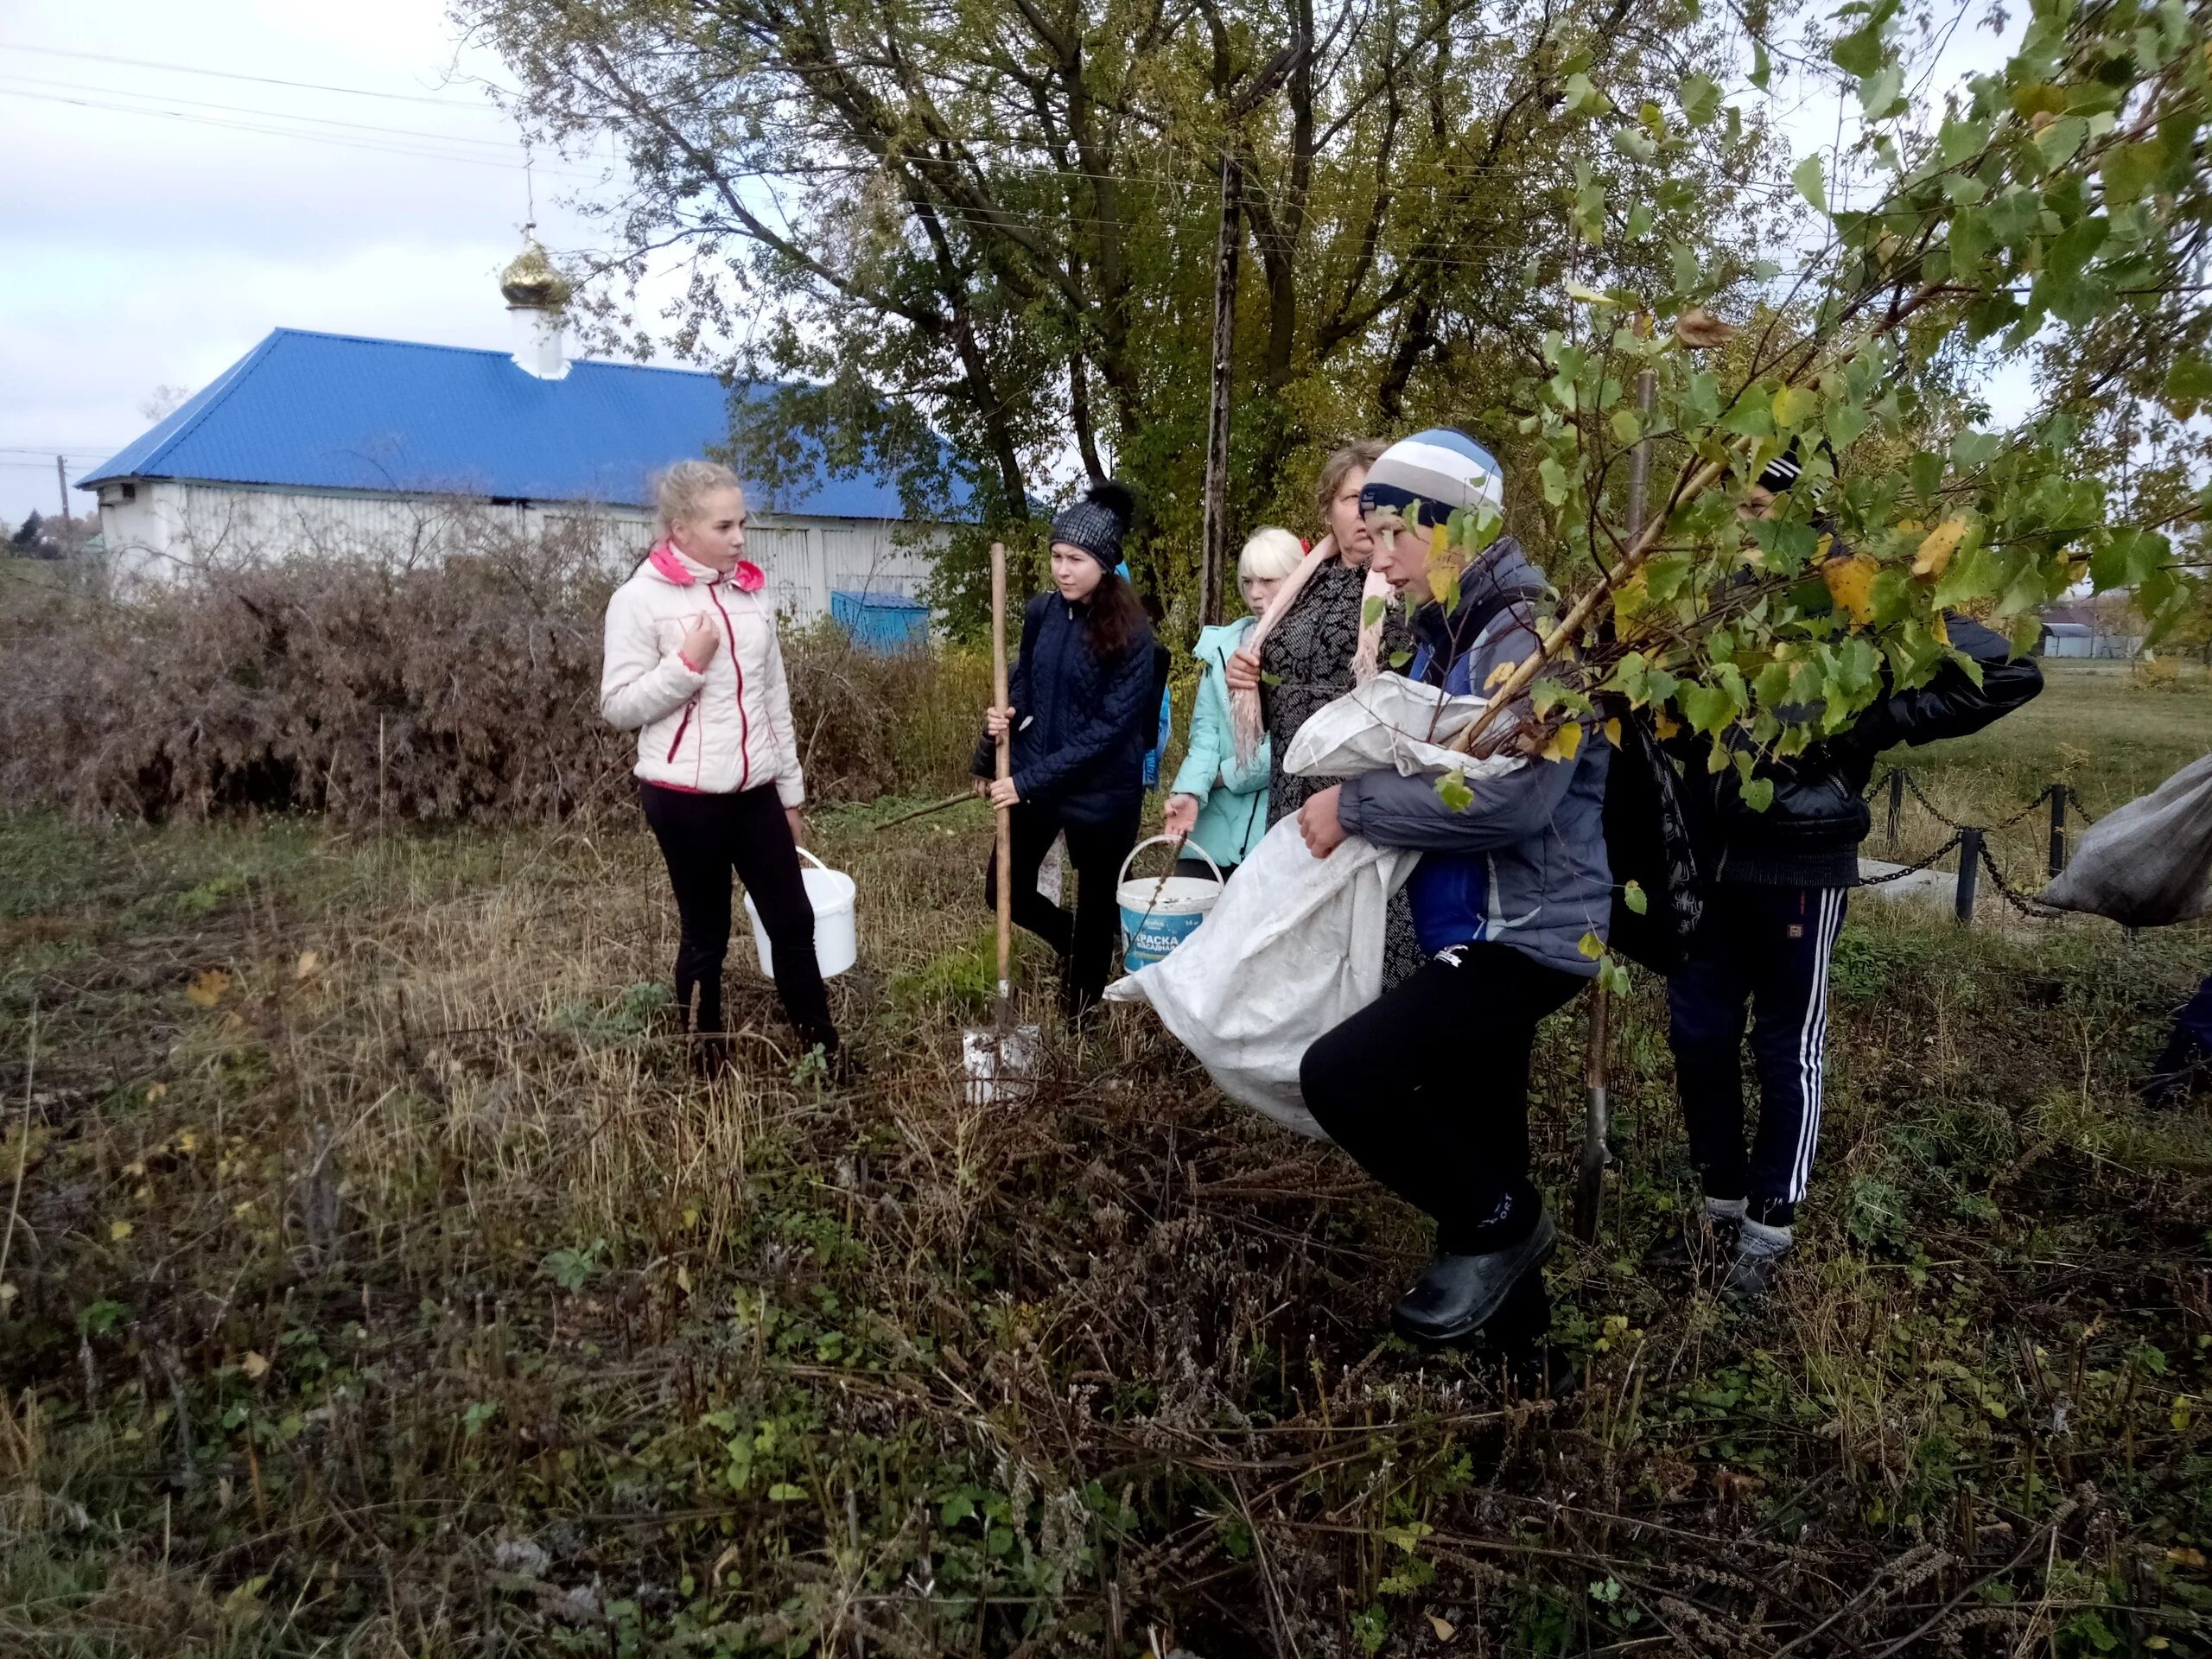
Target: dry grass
[413, 1299]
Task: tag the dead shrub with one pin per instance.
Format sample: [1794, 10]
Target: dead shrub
[389, 689]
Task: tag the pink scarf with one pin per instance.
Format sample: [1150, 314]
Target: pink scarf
[1245, 719]
[678, 568]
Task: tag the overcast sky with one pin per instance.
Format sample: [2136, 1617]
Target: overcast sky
[160, 218]
[144, 249]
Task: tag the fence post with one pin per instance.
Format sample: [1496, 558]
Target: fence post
[1969, 869]
[2057, 828]
[1896, 804]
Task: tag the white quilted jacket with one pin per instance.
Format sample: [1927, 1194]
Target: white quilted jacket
[725, 729]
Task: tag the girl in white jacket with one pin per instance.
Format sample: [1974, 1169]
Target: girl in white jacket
[693, 666]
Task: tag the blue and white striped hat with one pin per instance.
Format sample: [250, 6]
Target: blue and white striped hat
[1427, 477]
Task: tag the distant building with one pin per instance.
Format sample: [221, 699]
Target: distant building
[2106, 625]
[332, 442]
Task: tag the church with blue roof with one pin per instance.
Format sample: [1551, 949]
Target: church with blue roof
[319, 442]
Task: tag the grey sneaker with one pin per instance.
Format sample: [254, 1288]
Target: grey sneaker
[1750, 1276]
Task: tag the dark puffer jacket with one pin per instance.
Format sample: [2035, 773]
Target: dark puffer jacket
[1081, 726]
[1808, 837]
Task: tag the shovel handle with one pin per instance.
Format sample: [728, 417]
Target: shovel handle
[1005, 854]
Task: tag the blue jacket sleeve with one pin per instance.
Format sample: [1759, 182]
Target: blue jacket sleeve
[1126, 704]
[986, 763]
[1209, 748]
[1391, 810]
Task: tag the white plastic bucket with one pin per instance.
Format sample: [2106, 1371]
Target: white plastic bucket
[836, 942]
[1159, 913]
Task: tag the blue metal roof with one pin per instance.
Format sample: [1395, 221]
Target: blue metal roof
[336, 411]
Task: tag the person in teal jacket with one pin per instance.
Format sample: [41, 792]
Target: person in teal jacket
[1219, 805]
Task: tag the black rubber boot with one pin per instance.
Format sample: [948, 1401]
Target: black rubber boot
[1457, 1295]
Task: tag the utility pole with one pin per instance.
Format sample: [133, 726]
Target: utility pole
[62, 472]
[1213, 561]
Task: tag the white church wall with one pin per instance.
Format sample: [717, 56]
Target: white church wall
[169, 530]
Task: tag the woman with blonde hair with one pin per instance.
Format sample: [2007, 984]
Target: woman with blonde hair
[693, 666]
[1218, 803]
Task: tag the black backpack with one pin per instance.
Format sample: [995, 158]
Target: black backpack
[1648, 841]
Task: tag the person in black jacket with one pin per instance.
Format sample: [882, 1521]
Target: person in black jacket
[1081, 711]
[1776, 884]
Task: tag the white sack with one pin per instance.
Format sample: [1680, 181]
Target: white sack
[1390, 722]
[2149, 862]
[1294, 947]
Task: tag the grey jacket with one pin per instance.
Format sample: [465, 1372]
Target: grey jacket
[1524, 865]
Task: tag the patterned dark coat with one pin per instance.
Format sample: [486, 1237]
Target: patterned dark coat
[1307, 663]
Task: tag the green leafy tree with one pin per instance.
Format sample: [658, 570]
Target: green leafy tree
[2064, 196]
[1002, 218]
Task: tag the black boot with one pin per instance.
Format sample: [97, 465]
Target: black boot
[1457, 1294]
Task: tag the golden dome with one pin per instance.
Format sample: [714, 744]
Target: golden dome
[531, 280]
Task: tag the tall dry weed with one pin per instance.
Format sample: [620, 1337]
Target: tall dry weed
[389, 689]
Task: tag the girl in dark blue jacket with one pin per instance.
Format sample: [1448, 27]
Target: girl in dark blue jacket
[1081, 709]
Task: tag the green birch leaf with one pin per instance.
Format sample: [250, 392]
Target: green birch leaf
[2130, 170]
[1879, 92]
[2188, 380]
[2056, 142]
[1859, 52]
[1807, 177]
[1686, 271]
[1700, 98]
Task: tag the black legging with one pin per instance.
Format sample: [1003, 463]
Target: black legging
[704, 837]
[1428, 1087]
[1085, 941]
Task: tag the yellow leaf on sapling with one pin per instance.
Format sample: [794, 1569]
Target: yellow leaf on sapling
[1936, 548]
[1851, 584]
[1499, 675]
[1613, 731]
[1664, 724]
[1794, 406]
[1565, 742]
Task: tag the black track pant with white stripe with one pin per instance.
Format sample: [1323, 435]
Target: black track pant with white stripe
[1766, 949]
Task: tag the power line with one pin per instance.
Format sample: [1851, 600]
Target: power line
[278, 115]
[234, 74]
[297, 134]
